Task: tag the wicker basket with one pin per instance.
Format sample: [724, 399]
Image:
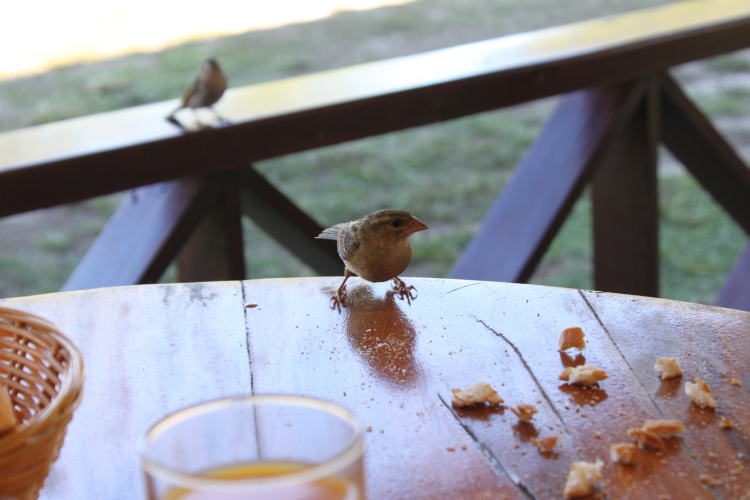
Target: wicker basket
[43, 371]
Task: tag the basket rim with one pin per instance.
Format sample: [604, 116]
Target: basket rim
[72, 376]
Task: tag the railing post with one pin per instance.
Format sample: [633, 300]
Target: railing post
[625, 205]
[214, 252]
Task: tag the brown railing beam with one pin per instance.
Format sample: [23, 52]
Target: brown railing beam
[531, 209]
[735, 293]
[625, 205]
[695, 142]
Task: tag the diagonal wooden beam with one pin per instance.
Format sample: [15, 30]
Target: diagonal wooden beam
[735, 293]
[625, 205]
[695, 142]
[273, 212]
[524, 219]
[145, 233]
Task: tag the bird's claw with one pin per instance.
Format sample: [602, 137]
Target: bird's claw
[400, 287]
[339, 299]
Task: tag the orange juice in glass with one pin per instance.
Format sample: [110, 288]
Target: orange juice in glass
[255, 448]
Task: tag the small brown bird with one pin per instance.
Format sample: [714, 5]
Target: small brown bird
[375, 248]
[205, 90]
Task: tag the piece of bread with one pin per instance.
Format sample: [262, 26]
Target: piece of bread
[664, 428]
[646, 438]
[700, 393]
[581, 478]
[623, 453]
[706, 479]
[478, 393]
[547, 443]
[668, 368]
[583, 375]
[524, 412]
[725, 423]
[572, 337]
[7, 415]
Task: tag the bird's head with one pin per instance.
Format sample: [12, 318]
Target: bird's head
[210, 65]
[394, 224]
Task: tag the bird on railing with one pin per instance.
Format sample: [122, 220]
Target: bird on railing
[205, 90]
[376, 248]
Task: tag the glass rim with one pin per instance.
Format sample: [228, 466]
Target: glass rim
[351, 451]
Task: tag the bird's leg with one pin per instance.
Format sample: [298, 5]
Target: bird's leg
[173, 120]
[339, 299]
[222, 121]
[402, 289]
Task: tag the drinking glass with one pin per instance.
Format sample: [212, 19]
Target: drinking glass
[255, 448]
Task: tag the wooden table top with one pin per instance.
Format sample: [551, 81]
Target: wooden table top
[150, 350]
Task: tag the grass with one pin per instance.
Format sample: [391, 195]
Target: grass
[448, 174]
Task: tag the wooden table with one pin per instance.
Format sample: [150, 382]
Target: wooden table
[149, 350]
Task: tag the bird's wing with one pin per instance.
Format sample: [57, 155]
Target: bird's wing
[348, 242]
[189, 91]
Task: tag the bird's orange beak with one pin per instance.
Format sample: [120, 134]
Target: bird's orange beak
[415, 225]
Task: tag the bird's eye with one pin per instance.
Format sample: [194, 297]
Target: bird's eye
[396, 223]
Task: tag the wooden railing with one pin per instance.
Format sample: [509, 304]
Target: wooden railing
[619, 104]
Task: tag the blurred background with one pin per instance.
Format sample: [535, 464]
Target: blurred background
[60, 60]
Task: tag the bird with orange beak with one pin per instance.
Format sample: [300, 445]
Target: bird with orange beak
[376, 248]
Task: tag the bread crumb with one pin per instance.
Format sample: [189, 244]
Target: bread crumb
[581, 478]
[736, 382]
[478, 393]
[706, 479]
[572, 337]
[450, 448]
[725, 423]
[524, 412]
[664, 428]
[623, 453]
[700, 393]
[7, 415]
[583, 375]
[546, 444]
[646, 438]
[668, 368]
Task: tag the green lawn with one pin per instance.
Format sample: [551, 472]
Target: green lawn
[447, 174]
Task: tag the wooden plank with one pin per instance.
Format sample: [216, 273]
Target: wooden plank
[394, 364]
[735, 293]
[626, 207]
[144, 234]
[215, 250]
[525, 218]
[148, 351]
[91, 156]
[710, 343]
[695, 142]
[281, 219]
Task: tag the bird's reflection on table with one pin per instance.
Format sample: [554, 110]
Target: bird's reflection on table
[382, 335]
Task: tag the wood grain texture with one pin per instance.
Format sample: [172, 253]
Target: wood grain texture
[625, 205]
[100, 154]
[148, 351]
[735, 293]
[524, 219]
[710, 343]
[708, 156]
[152, 349]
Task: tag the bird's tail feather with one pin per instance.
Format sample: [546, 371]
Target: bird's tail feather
[332, 233]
